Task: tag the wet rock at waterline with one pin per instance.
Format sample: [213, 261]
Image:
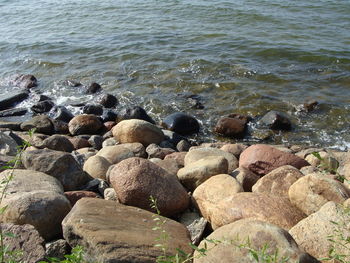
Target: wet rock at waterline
[109, 115]
[234, 126]
[135, 180]
[42, 106]
[108, 101]
[93, 109]
[93, 88]
[137, 131]
[13, 112]
[112, 232]
[181, 123]
[134, 113]
[41, 124]
[10, 100]
[61, 113]
[26, 81]
[276, 121]
[84, 124]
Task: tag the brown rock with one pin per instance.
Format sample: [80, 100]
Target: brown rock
[179, 157]
[235, 149]
[115, 154]
[312, 191]
[41, 124]
[75, 196]
[262, 159]
[97, 166]
[135, 180]
[79, 143]
[237, 240]
[246, 178]
[58, 143]
[111, 232]
[232, 127]
[267, 208]
[313, 233]
[278, 181]
[84, 124]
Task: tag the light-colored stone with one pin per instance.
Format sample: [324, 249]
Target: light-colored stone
[110, 194]
[278, 181]
[272, 209]
[96, 166]
[235, 149]
[313, 233]
[115, 154]
[312, 191]
[237, 238]
[111, 232]
[196, 173]
[137, 131]
[196, 154]
[179, 157]
[135, 180]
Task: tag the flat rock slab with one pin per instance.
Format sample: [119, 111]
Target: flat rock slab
[111, 232]
[11, 99]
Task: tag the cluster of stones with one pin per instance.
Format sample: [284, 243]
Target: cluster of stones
[88, 182]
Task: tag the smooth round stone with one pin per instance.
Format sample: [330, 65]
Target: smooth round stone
[181, 123]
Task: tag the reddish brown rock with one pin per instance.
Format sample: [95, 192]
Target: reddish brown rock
[109, 125]
[262, 159]
[135, 180]
[246, 178]
[233, 126]
[79, 143]
[74, 196]
[84, 124]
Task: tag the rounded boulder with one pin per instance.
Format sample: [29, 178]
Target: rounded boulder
[84, 124]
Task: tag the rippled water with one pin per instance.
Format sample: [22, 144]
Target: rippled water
[238, 56]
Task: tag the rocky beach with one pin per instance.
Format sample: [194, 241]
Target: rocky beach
[87, 180]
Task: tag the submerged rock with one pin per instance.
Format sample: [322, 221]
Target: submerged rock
[234, 125]
[108, 101]
[276, 121]
[42, 106]
[93, 88]
[134, 113]
[26, 81]
[181, 123]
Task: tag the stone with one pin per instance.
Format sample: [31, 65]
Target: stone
[96, 141]
[196, 173]
[57, 249]
[115, 154]
[13, 112]
[26, 239]
[96, 185]
[60, 127]
[58, 143]
[179, 157]
[108, 126]
[84, 124]
[267, 208]
[110, 194]
[79, 143]
[246, 178]
[237, 241]
[262, 159]
[93, 88]
[93, 109]
[5, 161]
[60, 113]
[109, 115]
[181, 123]
[154, 151]
[26, 81]
[134, 113]
[312, 191]
[109, 142]
[199, 153]
[12, 125]
[170, 166]
[195, 225]
[215, 189]
[34, 198]
[75, 196]
[108, 101]
[278, 181]
[173, 137]
[42, 106]
[309, 105]
[96, 166]
[276, 121]
[137, 148]
[60, 165]
[8, 145]
[313, 233]
[234, 127]
[41, 124]
[135, 180]
[112, 232]
[235, 149]
[183, 146]
[11, 99]
[137, 131]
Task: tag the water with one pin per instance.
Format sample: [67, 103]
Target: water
[239, 56]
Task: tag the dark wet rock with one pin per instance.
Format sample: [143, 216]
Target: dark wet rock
[96, 141]
[173, 137]
[134, 113]
[84, 124]
[73, 83]
[14, 126]
[108, 101]
[25, 239]
[44, 97]
[58, 143]
[183, 146]
[42, 106]
[109, 115]
[9, 100]
[41, 124]
[276, 121]
[93, 109]
[13, 112]
[61, 113]
[60, 127]
[60, 165]
[96, 185]
[93, 88]
[57, 249]
[167, 144]
[26, 81]
[181, 123]
[310, 105]
[234, 125]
